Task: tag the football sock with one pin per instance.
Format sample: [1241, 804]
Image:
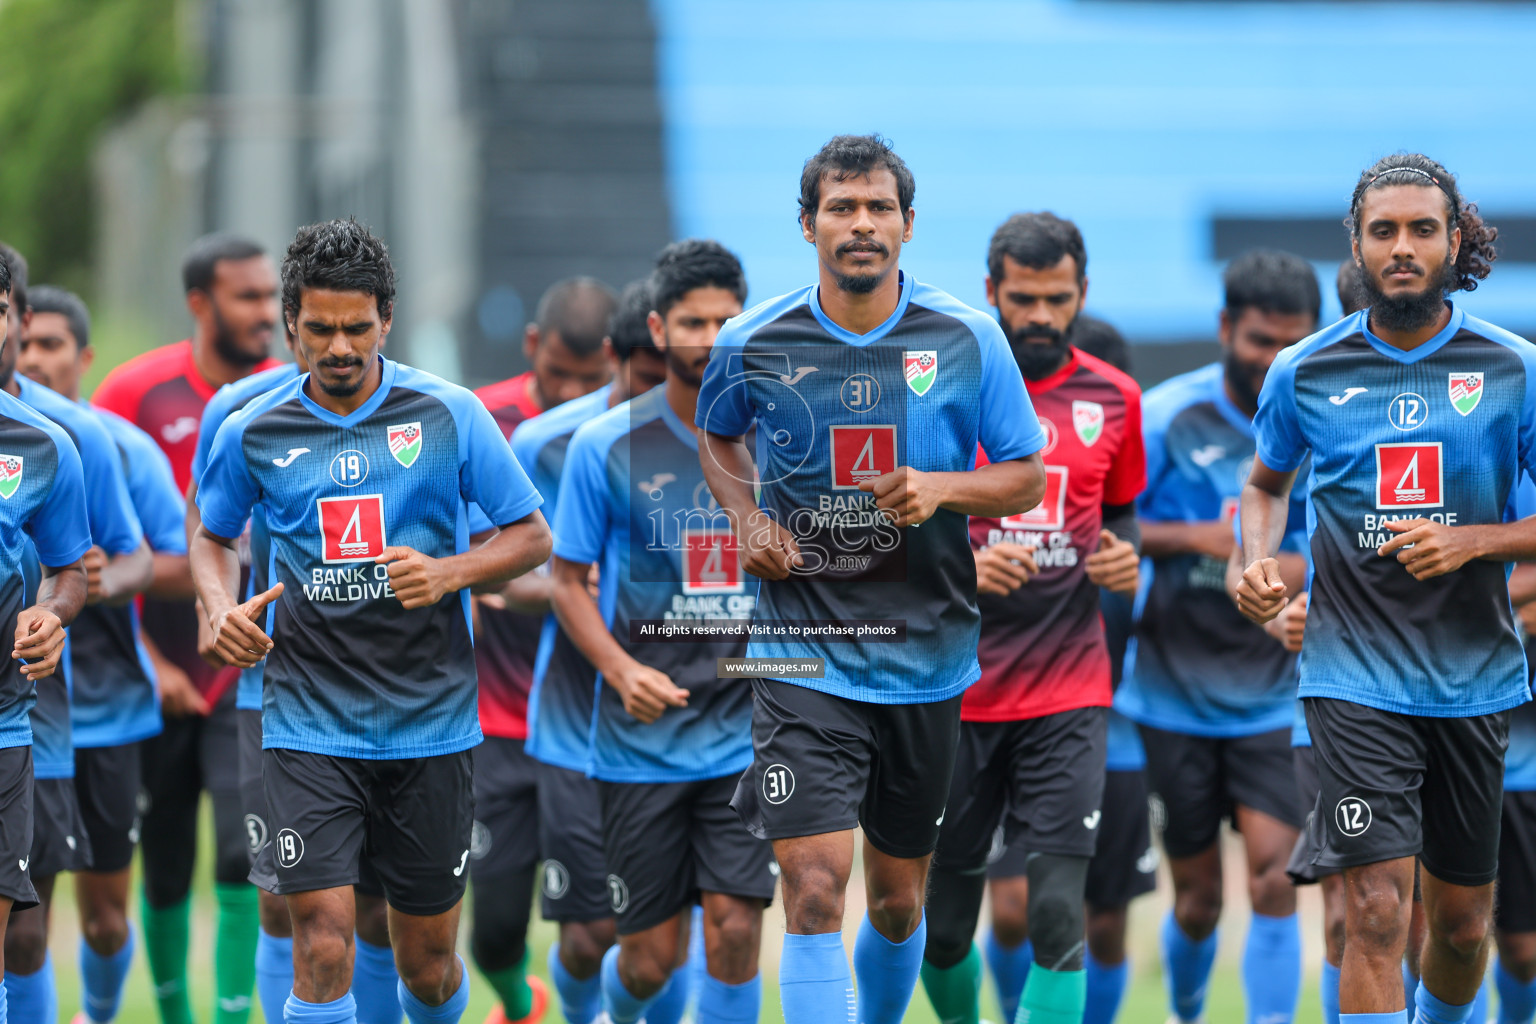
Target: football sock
[955, 992]
[1397, 1017]
[1517, 999]
[511, 985]
[376, 984]
[167, 935]
[4, 1011]
[274, 974]
[580, 1001]
[101, 979]
[337, 1011]
[1272, 967]
[720, 1003]
[234, 952]
[1410, 986]
[1328, 991]
[815, 986]
[1053, 997]
[1106, 988]
[697, 965]
[1010, 970]
[672, 1001]
[887, 972]
[1430, 1010]
[621, 1005]
[1187, 964]
[34, 998]
[1479, 1012]
[448, 1013]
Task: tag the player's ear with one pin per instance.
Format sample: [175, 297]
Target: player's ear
[198, 302]
[530, 341]
[906, 235]
[658, 329]
[991, 291]
[1082, 293]
[1455, 243]
[1354, 250]
[87, 357]
[808, 227]
[1224, 329]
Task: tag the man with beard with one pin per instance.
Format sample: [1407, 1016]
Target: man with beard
[1419, 420]
[1033, 729]
[231, 290]
[1212, 693]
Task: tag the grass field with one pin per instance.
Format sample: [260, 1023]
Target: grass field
[1144, 1003]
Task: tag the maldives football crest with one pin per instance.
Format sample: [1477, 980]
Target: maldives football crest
[10, 475]
[1088, 421]
[1466, 391]
[921, 369]
[405, 443]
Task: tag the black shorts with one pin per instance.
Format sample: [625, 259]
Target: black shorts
[107, 784]
[1124, 866]
[665, 842]
[1042, 778]
[1515, 911]
[505, 839]
[410, 818]
[59, 839]
[253, 796]
[1200, 780]
[825, 764]
[574, 881]
[16, 790]
[1300, 866]
[1403, 785]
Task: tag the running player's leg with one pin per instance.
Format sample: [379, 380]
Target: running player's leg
[107, 784]
[1006, 947]
[31, 994]
[1303, 871]
[237, 928]
[504, 857]
[574, 889]
[274, 944]
[1124, 866]
[1515, 915]
[736, 876]
[375, 982]
[17, 891]
[172, 789]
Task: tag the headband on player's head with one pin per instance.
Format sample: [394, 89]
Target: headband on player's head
[1410, 170]
[1421, 172]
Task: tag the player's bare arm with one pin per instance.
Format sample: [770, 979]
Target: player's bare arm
[767, 549]
[1212, 538]
[420, 581]
[216, 571]
[1004, 567]
[178, 695]
[115, 579]
[1007, 488]
[1427, 549]
[646, 693]
[40, 628]
[527, 593]
[1262, 592]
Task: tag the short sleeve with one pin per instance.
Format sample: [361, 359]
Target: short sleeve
[478, 522]
[724, 404]
[214, 415]
[582, 515]
[489, 474]
[1128, 472]
[60, 527]
[227, 491]
[161, 510]
[1276, 427]
[1009, 428]
[114, 524]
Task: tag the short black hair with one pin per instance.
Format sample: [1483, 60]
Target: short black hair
[694, 263]
[339, 255]
[5, 277]
[1037, 241]
[853, 156]
[1102, 340]
[577, 309]
[627, 328]
[1351, 286]
[200, 263]
[47, 298]
[16, 265]
[1271, 281]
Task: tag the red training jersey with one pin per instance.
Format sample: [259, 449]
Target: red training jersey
[508, 640]
[162, 393]
[1042, 647]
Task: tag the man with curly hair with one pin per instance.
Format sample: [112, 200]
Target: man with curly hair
[1419, 419]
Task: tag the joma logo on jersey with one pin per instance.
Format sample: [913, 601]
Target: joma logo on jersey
[10, 475]
[405, 442]
[862, 453]
[710, 563]
[1410, 475]
[352, 528]
[1051, 513]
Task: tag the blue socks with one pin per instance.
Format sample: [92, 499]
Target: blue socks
[1410, 986]
[696, 966]
[1272, 968]
[580, 1001]
[1010, 970]
[1106, 988]
[1517, 999]
[1430, 1010]
[274, 974]
[671, 1002]
[102, 977]
[621, 1006]
[337, 1011]
[1400, 1017]
[815, 986]
[375, 984]
[1480, 1004]
[720, 1003]
[449, 1013]
[33, 997]
[1328, 993]
[1187, 965]
[887, 972]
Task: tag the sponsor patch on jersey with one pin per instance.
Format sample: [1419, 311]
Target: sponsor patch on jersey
[405, 443]
[1466, 391]
[1051, 513]
[10, 474]
[1088, 421]
[1410, 475]
[710, 563]
[862, 453]
[921, 370]
[352, 528]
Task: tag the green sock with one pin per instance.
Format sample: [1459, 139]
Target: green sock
[167, 934]
[1053, 997]
[511, 984]
[234, 952]
[955, 992]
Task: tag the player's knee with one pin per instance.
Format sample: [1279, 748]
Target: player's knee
[813, 899]
[896, 913]
[1271, 891]
[1106, 935]
[105, 931]
[272, 912]
[644, 970]
[954, 904]
[1380, 920]
[1010, 911]
[1517, 955]
[1197, 908]
[582, 945]
[26, 947]
[1056, 910]
[432, 979]
[1462, 932]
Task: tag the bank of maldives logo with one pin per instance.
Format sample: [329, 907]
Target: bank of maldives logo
[1466, 391]
[1410, 476]
[921, 370]
[405, 443]
[352, 528]
[861, 452]
[10, 475]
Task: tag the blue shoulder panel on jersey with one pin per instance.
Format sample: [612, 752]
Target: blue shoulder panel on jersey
[59, 525]
[226, 491]
[1527, 353]
[530, 437]
[583, 516]
[151, 485]
[230, 398]
[723, 409]
[1280, 444]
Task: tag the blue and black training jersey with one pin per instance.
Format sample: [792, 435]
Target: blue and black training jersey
[1441, 432]
[834, 409]
[353, 673]
[633, 500]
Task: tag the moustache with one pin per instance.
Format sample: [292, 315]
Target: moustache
[1397, 268]
[861, 246]
[1049, 334]
[339, 364]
